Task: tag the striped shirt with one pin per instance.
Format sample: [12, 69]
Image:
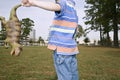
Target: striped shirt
[63, 28]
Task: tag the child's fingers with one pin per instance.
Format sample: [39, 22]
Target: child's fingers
[27, 5]
[24, 1]
[22, 4]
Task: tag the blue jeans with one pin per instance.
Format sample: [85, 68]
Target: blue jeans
[66, 66]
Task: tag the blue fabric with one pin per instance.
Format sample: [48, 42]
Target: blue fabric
[66, 66]
[74, 53]
[64, 39]
[62, 27]
[62, 5]
[61, 44]
[63, 36]
[66, 11]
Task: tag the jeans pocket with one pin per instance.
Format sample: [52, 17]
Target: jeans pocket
[60, 59]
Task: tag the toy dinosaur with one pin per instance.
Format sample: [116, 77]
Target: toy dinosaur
[13, 30]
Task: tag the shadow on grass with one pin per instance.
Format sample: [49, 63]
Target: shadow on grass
[54, 78]
[113, 53]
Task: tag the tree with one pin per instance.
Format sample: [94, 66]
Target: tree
[2, 34]
[86, 40]
[115, 8]
[31, 42]
[41, 41]
[79, 32]
[26, 25]
[94, 16]
[3, 31]
[103, 16]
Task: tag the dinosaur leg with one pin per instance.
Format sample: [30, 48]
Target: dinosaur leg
[6, 41]
[16, 49]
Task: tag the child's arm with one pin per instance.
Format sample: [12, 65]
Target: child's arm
[42, 4]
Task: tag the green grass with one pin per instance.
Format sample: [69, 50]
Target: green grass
[36, 63]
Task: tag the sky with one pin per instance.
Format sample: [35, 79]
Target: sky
[43, 18]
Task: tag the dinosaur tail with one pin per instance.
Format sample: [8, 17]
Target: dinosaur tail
[13, 15]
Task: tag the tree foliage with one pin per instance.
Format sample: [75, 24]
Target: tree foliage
[26, 26]
[2, 34]
[79, 32]
[40, 40]
[103, 16]
[86, 40]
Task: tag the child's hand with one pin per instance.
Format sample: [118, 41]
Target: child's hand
[26, 3]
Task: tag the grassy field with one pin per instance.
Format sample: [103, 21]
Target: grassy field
[36, 63]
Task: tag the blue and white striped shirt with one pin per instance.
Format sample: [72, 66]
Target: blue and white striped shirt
[63, 29]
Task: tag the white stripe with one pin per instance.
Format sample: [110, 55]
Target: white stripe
[68, 17]
[62, 43]
[62, 30]
[70, 5]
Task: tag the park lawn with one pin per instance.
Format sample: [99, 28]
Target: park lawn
[36, 63]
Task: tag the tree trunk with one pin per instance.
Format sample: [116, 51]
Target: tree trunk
[115, 26]
[108, 40]
[115, 34]
[101, 36]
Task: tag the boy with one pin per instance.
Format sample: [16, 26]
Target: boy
[61, 39]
